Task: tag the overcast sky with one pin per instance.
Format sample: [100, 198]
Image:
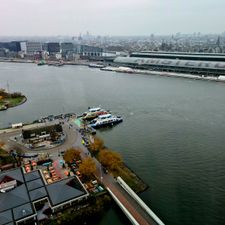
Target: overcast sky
[111, 17]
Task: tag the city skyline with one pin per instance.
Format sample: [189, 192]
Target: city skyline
[114, 18]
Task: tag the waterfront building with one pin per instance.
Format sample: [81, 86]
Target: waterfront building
[2, 52]
[67, 50]
[13, 46]
[66, 47]
[4, 45]
[89, 51]
[53, 47]
[198, 64]
[30, 48]
[180, 55]
[20, 193]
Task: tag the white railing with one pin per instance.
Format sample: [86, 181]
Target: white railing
[129, 216]
[138, 199]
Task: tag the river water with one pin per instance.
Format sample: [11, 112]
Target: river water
[173, 134]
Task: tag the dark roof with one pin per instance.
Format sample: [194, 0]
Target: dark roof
[34, 184]
[22, 211]
[14, 198]
[6, 217]
[17, 203]
[65, 190]
[15, 174]
[32, 175]
[38, 194]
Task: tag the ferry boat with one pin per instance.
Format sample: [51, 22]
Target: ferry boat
[105, 120]
[94, 113]
[94, 109]
[98, 110]
[89, 116]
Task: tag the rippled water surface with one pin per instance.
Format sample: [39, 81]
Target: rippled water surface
[173, 134]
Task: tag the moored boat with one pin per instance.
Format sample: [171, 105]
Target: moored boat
[105, 121]
[94, 112]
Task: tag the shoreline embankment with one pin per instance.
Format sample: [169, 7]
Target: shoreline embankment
[126, 70]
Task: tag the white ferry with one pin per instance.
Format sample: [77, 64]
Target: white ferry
[105, 120]
[96, 109]
[94, 113]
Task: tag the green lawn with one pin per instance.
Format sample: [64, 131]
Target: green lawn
[12, 101]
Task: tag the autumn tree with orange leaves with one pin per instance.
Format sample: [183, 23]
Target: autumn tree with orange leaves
[87, 167]
[72, 154]
[110, 159]
[97, 145]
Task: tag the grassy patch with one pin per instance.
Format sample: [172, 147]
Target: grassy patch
[135, 183]
[11, 102]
